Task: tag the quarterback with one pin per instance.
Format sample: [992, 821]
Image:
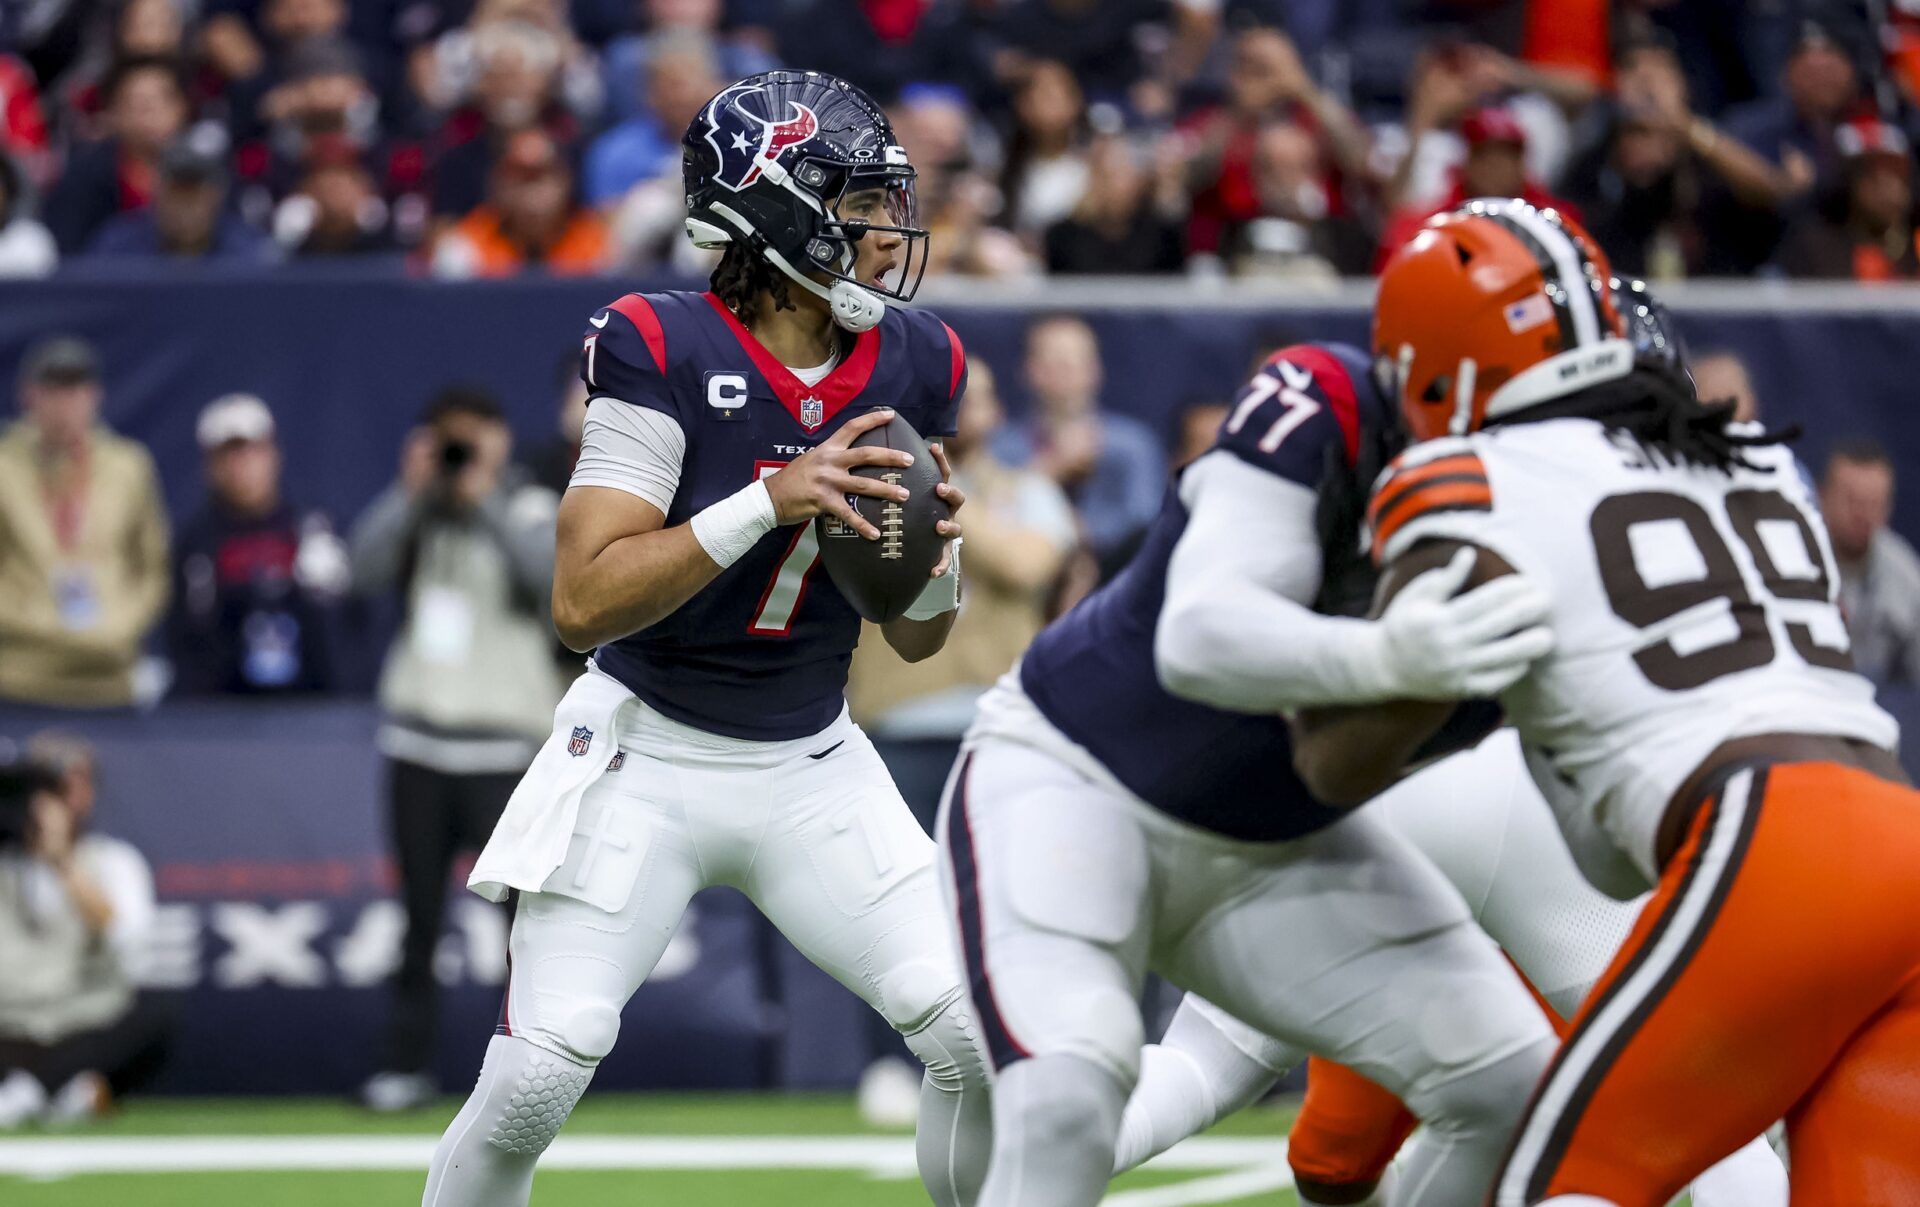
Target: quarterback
[708, 742]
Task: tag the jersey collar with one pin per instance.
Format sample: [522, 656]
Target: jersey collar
[848, 379]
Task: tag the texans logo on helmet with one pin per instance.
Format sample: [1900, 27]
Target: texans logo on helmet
[741, 145]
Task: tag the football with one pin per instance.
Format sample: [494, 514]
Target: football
[882, 578]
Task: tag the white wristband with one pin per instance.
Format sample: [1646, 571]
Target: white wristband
[729, 528]
[942, 595]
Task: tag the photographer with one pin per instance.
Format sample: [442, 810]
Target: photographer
[75, 910]
[465, 538]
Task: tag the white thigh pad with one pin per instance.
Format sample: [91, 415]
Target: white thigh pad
[607, 852]
[1077, 866]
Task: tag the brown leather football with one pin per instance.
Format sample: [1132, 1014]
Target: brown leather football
[882, 578]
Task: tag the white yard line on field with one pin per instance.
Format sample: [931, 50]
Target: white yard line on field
[1222, 1188]
[880, 1156]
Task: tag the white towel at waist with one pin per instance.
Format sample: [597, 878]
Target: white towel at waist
[531, 839]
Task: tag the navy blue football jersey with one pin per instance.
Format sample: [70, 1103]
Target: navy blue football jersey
[1092, 672]
[761, 652]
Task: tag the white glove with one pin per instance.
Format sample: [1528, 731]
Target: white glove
[1433, 645]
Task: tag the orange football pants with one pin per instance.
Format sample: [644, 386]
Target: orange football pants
[1349, 1128]
[1774, 973]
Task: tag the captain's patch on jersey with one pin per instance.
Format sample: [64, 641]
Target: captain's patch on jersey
[1455, 482]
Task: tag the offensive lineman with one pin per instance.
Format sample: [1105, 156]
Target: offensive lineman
[708, 742]
[1697, 728]
[1479, 818]
[1100, 824]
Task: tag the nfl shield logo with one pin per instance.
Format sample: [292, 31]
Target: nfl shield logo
[581, 739]
[811, 412]
[618, 761]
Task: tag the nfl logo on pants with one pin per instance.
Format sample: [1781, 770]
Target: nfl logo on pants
[581, 739]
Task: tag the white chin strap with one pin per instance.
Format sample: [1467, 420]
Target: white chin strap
[854, 307]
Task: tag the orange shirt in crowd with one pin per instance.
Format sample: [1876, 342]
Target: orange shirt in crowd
[482, 249]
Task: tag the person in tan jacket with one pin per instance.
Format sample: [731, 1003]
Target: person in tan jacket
[83, 540]
[1021, 528]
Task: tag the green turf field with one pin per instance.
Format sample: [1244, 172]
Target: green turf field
[619, 1151]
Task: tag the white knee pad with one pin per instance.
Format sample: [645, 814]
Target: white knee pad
[912, 994]
[589, 1033]
[532, 1097]
[924, 1003]
[1101, 1025]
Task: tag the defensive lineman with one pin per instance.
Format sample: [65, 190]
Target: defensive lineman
[708, 742]
[1697, 728]
[1479, 818]
[1126, 801]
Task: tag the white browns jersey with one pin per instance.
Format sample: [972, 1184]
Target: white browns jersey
[1689, 607]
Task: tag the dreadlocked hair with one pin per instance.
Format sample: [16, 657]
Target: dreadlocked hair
[743, 274]
[1661, 413]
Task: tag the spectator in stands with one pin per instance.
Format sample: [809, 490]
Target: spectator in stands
[255, 45]
[23, 124]
[83, 540]
[531, 220]
[1495, 166]
[1879, 570]
[628, 60]
[878, 46]
[1796, 132]
[465, 539]
[958, 198]
[1454, 78]
[146, 111]
[682, 75]
[1643, 160]
[323, 96]
[1046, 169]
[140, 29]
[1721, 374]
[1110, 465]
[335, 210]
[1867, 233]
[1127, 217]
[1266, 83]
[1294, 234]
[501, 74]
[1102, 43]
[532, 41]
[76, 909]
[189, 221]
[917, 714]
[257, 581]
[26, 247]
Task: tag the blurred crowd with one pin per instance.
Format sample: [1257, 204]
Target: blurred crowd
[1274, 138]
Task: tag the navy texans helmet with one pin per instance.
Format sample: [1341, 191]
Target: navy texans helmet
[800, 167]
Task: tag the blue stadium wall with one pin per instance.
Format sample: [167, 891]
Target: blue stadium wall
[264, 821]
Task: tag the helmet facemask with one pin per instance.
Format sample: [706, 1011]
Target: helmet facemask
[869, 203]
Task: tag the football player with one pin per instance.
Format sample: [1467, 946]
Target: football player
[1479, 818]
[1697, 728]
[708, 742]
[1125, 801]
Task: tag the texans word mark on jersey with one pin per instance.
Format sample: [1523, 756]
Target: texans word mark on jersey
[761, 652]
[1092, 672]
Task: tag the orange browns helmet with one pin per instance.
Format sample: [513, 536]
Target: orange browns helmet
[1493, 308]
